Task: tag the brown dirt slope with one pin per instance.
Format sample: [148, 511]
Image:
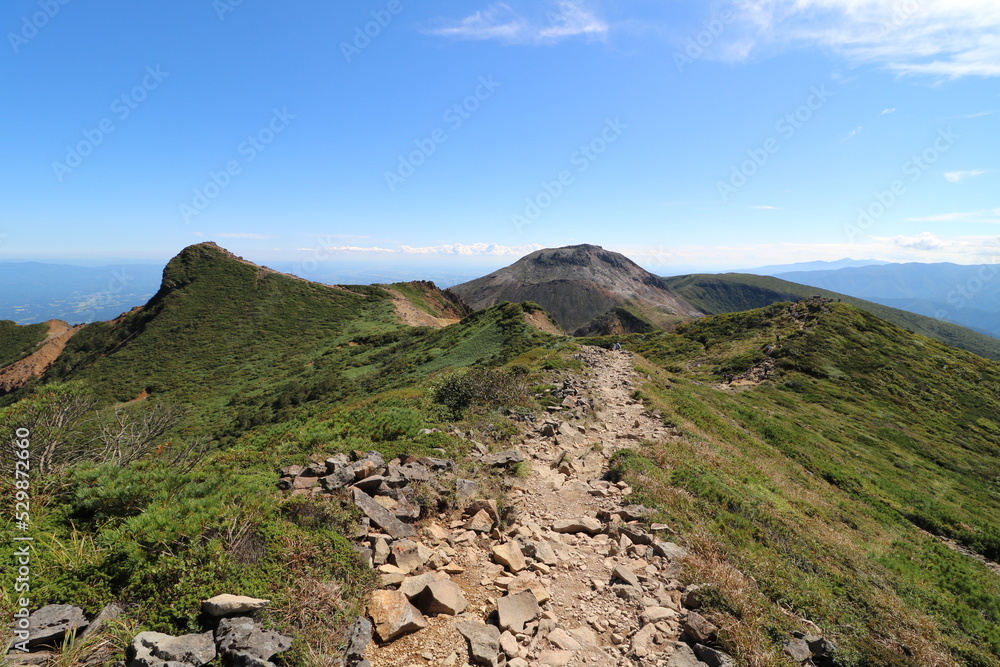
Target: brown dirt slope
[421, 304]
[19, 373]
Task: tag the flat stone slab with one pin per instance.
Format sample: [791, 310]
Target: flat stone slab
[381, 517]
[227, 605]
[584, 524]
[515, 610]
[50, 625]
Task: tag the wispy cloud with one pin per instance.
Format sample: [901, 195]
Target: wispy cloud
[979, 114]
[853, 133]
[245, 236]
[991, 216]
[765, 208]
[461, 249]
[923, 241]
[890, 110]
[939, 38]
[923, 247]
[959, 176]
[535, 25]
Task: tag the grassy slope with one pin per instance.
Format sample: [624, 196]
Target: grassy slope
[17, 342]
[226, 338]
[734, 292]
[160, 538]
[820, 484]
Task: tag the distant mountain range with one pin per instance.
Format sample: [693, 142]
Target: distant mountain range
[586, 289]
[777, 269]
[965, 295]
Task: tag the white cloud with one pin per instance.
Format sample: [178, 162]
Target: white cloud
[462, 249]
[989, 216]
[939, 38]
[979, 114]
[923, 241]
[246, 236]
[959, 176]
[888, 111]
[853, 133]
[502, 22]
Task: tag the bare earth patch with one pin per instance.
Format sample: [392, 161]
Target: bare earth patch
[17, 374]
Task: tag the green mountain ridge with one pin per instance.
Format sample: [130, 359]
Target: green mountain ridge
[822, 454]
[733, 292]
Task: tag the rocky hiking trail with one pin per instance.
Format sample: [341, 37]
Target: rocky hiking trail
[560, 571]
[572, 579]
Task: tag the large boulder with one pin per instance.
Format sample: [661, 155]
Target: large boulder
[513, 611]
[244, 635]
[443, 597]
[509, 555]
[393, 615]
[484, 642]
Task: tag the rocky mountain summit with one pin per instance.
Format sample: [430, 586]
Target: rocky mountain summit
[578, 284]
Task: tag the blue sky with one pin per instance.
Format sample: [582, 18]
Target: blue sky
[681, 133]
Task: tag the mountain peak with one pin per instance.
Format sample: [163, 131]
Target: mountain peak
[578, 284]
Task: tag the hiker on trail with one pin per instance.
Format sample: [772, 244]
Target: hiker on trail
[616, 347]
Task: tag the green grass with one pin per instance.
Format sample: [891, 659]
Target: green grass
[821, 483]
[17, 342]
[735, 292]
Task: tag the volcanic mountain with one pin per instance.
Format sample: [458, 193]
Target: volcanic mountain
[585, 288]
